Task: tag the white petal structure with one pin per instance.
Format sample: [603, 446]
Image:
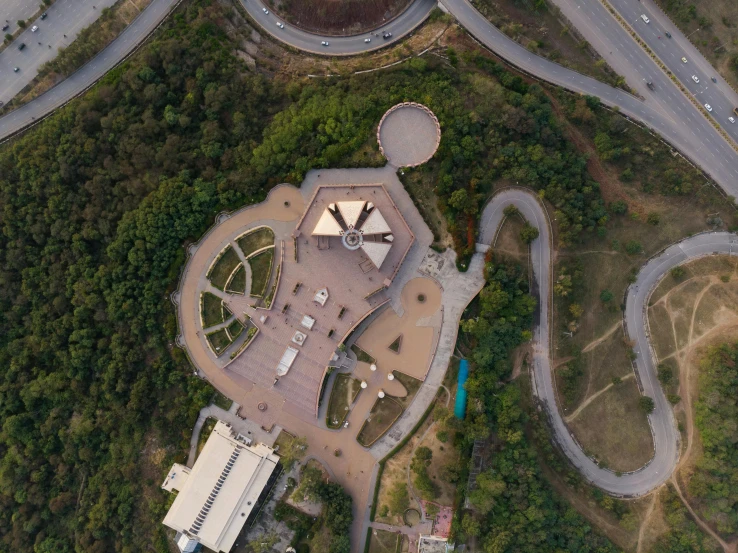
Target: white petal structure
[375, 224]
[376, 251]
[351, 211]
[327, 225]
[360, 225]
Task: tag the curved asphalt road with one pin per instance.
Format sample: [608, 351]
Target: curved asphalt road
[665, 434]
[90, 73]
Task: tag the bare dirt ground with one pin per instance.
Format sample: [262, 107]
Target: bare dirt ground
[338, 17]
[687, 316]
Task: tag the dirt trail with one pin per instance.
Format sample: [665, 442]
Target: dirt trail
[644, 523]
[727, 547]
[591, 398]
[594, 343]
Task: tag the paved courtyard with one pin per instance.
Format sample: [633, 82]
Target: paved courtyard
[422, 292]
[409, 135]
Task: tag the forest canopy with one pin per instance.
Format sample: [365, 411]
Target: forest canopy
[98, 202]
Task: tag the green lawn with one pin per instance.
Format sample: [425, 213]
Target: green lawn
[219, 341]
[221, 401]
[212, 313]
[237, 284]
[344, 392]
[361, 355]
[221, 271]
[383, 415]
[235, 329]
[412, 385]
[260, 238]
[261, 265]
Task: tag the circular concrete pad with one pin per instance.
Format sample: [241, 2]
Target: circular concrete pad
[408, 135]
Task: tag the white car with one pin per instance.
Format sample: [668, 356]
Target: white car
[266, 11]
[695, 79]
[280, 25]
[646, 19]
[684, 60]
[708, 107]
[325, 43]
[34, 28]
[367, 40]
[731, 119]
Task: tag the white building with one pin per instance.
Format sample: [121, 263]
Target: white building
[221, 493]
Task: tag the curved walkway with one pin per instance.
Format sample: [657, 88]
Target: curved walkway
[665, 434]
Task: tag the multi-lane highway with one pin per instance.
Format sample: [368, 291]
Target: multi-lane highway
[65, 19]
[90, 73]
[721, 98]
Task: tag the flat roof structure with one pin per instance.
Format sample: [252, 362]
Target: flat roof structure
[325, 290]
[221, 492]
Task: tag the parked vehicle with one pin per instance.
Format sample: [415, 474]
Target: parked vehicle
[44, 16]
[6, 27]
[34, 28]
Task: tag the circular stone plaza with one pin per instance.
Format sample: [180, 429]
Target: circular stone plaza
[332, 281]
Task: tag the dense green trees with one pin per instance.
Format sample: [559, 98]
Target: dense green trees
[515, 509]
[715, 480]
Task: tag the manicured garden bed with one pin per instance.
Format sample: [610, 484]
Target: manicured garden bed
[219, 341]
[344, 392]
[237, 283]
[221, 272]
[254, 241]
[383, 415]
[212, 312]
[261, 269]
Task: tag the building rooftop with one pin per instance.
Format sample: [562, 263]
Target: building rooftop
[217, 496]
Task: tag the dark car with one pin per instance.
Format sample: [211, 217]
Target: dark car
[713, 79]
[44, 16]
[649, 84]
[21, 46]
[386, 35]
[668, 34]
[6, 27]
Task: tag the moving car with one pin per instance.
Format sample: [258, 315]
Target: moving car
[731, 119]
[668, 34]
[646, 19]
[21, 46]
[44, 16]
[713, 79]
[649, 84]
[385, 36]
[266, 11]
[708, 107]
[34, 28]
[6, 27]
[325, 43]
[684, 60]
[16, 69]
[695, 79]
[280, 25]
[367, 40]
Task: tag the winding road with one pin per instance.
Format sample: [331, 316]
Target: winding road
[663, 425]
[667, 111]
